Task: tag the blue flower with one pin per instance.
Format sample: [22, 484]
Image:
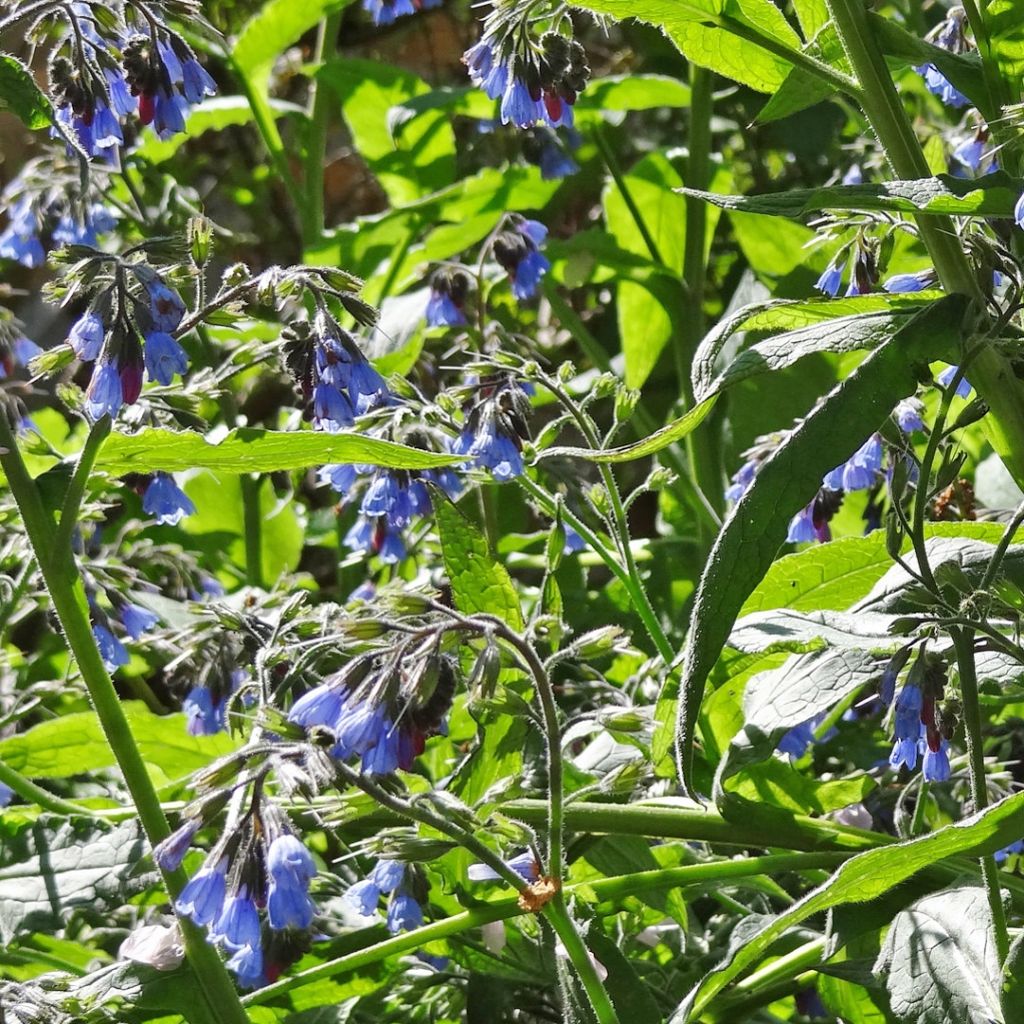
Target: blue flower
[247, 966]
[165, 305]
[1018, 213]
[164, 357]
[376, 537]
[6, 794]
[166, 501]
[861, 470]
[387, 875]
[170, 852]
[323, 705]
[555, 162]
[290, 868]
[168, 115]
[935, 763]
[887, 685]
[106, 130]
[573, 541]
[203, 896]
[910, 415]
[239, 923]
[518, 253]
[196, 82]
[971, 151]
[741, 481]
[907, 716]
[910, 282]
[104, 396]
[523, 864]
[519, 106]
[361, 727]
[442, 310]
[366, 591]
[171, 62]
[404, 913]
[364, 896]
[341, 476]
[830, 281]
[366, 387]
[853, 176]
[492, 449]
[804, 527]
[137, 620]
[938, 84]
[1017, 846]
[384, 12]
[796, 740]
[331, 408]
[112, 651]
[121, 99]
[963, 389]
[204, 716]
[531, 268]
[486, 70]
[86, 336]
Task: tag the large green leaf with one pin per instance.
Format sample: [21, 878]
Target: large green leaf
[249, 450]
[53, 867]
[703, 31]
[479, 582]
[993, 195]
[74, 743]
[410, 160]
[278, 24]
[940, 961]
[21, 96]
[862, 878]
[787, 482]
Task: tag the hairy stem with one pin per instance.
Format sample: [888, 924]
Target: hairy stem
[253, 527]
[316, 146]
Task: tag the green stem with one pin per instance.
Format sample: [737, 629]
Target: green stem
[615, 887]
[316, 147]
[76, 490]
[991, 373]
[994, 85]
[34, 794]
[707, 473]
[253, 526]
[572, 942]
[963, 642]
[917, 822]
[67, 595]
[9, 607]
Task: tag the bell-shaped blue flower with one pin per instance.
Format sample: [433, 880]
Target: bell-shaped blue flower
[112, 651]
[166, 501]
[404, 913]
[105, 394]
[169, 853]
[202, 899]
[86, 336]
[945, 378]
[239, 923]
[204, 716]
[164, 357]
[290, 868]
[137, 620]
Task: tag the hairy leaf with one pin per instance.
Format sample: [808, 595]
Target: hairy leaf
[787, 482]
[53, 867]
[993, 195]
[21, 96]
[249, 450]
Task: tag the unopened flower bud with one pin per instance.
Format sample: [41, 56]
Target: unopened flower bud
[625, 403]
[597, 642]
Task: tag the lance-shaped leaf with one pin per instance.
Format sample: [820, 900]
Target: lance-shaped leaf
[786, 630]
[863, 878]
[787, 482]
[21, 96]
[248, 450]
[993, 195]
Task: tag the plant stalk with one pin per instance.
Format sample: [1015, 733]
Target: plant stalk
[316, 146]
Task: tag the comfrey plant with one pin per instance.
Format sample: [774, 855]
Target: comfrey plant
[458, 561]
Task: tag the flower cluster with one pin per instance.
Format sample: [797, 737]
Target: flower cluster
[448, 292]
[550, 152]
[102, 81]
[919, 726]
[495, 428]
[517, 249]
[400, 884]
[862, 268]
[259, 864]
[136, 622]
[534, 81]
[129, 332]
[381, 708]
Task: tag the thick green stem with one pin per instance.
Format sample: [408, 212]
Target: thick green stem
[316, 146]
[991, 373]
[64, 585]
[76, 490]
[28, 790]
[963, 642]
[252, 518]
[700, 447]
[615, 887]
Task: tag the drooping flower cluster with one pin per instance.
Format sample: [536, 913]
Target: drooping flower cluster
[257, 864]
[129, 331]
[948, 35]
[448, 292]
[382, 707]
[552, 153]
[862, 268]
[100, 80]
[919, 726]
[534, 81]
[517, 249]
[135, 620]
[497, 424]
[401, 884]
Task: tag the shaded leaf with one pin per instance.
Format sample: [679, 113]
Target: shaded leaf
[21, 96]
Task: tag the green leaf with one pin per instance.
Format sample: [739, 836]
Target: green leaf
[631, 997]
[801, 88]
[786, 630]
[779, 784]
[993, 195]
[249, 450]
[277, 25]
[845, 334]
[940, 961]
[419, 156]
[757, 525]
[75, 743]
[479, 583]
[862, 878]
[218, 524]
[633, 92]
[51, 868]
[650, 445]
[700, 29]
[212, 115]
[21, 96]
